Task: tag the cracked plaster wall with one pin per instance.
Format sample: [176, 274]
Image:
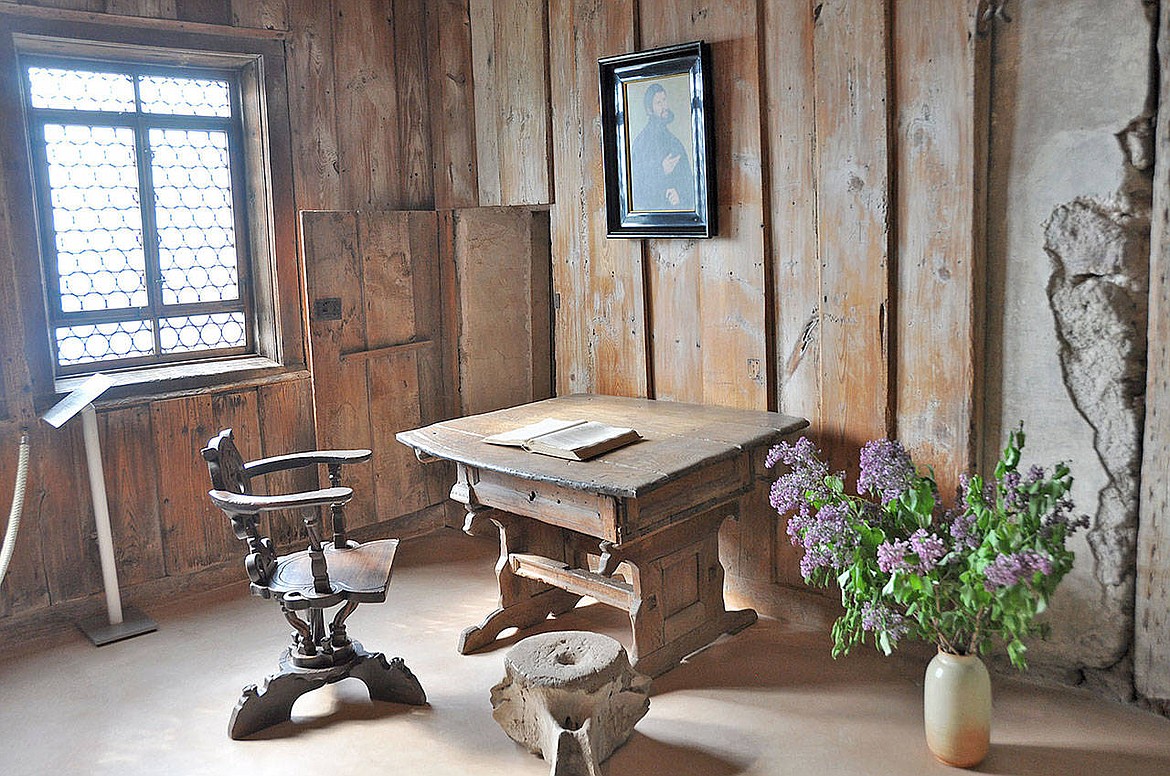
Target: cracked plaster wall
[1068, 261]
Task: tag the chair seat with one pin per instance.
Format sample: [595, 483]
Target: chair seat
[359, 573]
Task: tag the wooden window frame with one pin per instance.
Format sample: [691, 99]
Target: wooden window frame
[279, 339]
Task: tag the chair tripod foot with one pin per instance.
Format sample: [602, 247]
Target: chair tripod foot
[388, 680]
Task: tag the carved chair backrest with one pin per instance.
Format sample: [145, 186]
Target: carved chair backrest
[226, 467]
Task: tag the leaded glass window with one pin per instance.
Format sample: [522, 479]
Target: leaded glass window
[141, 213]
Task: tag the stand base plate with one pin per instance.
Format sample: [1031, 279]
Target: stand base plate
[101, 631]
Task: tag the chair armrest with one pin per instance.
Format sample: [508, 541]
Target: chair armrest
[281, 463]
[239, 504]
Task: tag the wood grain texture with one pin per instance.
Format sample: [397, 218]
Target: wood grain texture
[313, 106]
[415, 173]
[452, 108]
[25, 586]
[285, 411]
[499, 261]
[1152, 609]
[936, 287]
[709, 327]
[367, 96]
[788, 81]
[509, 40]
[132, 491]
[851, 42]
[600, 327]
[265, 14]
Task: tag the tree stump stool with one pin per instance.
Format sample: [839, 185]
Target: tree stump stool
[571, 697]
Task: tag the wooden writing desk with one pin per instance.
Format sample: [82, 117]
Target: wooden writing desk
[636, 528]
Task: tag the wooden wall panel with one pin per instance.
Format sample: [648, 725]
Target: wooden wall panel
[267, 14]
[600, 320]
[25, 586]
[367, 102]
[1152, 606]
[333, 270]
[60, 507]
[937, 284]
[456, 177]
[285, 410]
[132, 471]
[789, 126]
[709, 328]
[313, 106]
[415, 173]
[503, 281]
[509, 40]
[851, 41]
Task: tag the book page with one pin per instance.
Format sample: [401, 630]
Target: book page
[518, 437]
[581, 437]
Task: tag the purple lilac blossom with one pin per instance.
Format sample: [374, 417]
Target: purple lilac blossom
[878, 617]
[963, 531]
[806, 476]
[1014, 498]
[886, 469]
[827, 538]
[891, 556]
[928, 547]
[1013, 568]
[1035, 474]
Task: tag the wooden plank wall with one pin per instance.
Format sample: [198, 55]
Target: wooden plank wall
[1152, 605]
[845, 281]
[359, 94]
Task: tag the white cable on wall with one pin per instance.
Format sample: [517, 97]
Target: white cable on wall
[17, 506]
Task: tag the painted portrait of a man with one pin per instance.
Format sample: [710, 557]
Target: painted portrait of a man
[662, 150]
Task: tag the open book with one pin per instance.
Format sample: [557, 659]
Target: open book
[575, 440]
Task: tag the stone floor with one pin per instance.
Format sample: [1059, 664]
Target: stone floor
[767, 701]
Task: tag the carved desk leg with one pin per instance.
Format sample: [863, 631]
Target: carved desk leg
[523, 602]
[678, 604]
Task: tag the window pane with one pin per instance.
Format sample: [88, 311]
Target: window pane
[185, 96]
[103, 341]
[202, 332]
[196, 227]
[97, 225]
[80, 90]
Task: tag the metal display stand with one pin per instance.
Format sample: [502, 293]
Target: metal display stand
[118, 624]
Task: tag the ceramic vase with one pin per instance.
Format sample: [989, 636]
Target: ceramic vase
[957, 709]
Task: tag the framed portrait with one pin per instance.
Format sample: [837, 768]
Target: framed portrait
[657, 146]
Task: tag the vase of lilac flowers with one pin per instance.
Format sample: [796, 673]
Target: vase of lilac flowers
[966, 577]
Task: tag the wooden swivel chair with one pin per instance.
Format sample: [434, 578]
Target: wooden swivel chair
[306, 583]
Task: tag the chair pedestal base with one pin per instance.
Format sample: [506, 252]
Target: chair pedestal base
[270, 704]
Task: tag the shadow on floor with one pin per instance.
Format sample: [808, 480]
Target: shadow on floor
[1025, 760]
[645, 755]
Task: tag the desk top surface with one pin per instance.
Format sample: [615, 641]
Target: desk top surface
[677, 439]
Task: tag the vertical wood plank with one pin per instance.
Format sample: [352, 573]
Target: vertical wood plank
[416, 178]
[155, 9]
[25, 587]
[498, 361]
[367, 98]
[341, 397]
[485, 61]
[267, 14]
[522, 116]
[313, 106]
[850, 47]
[452, 105]
[204, 11]
[937, 292]
[708, 297]
[60, 507]
[285, 410]
[1152, 606]
[600, 324]
[790, 137]
[132, 491]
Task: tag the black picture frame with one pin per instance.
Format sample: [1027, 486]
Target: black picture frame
[646, 194]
